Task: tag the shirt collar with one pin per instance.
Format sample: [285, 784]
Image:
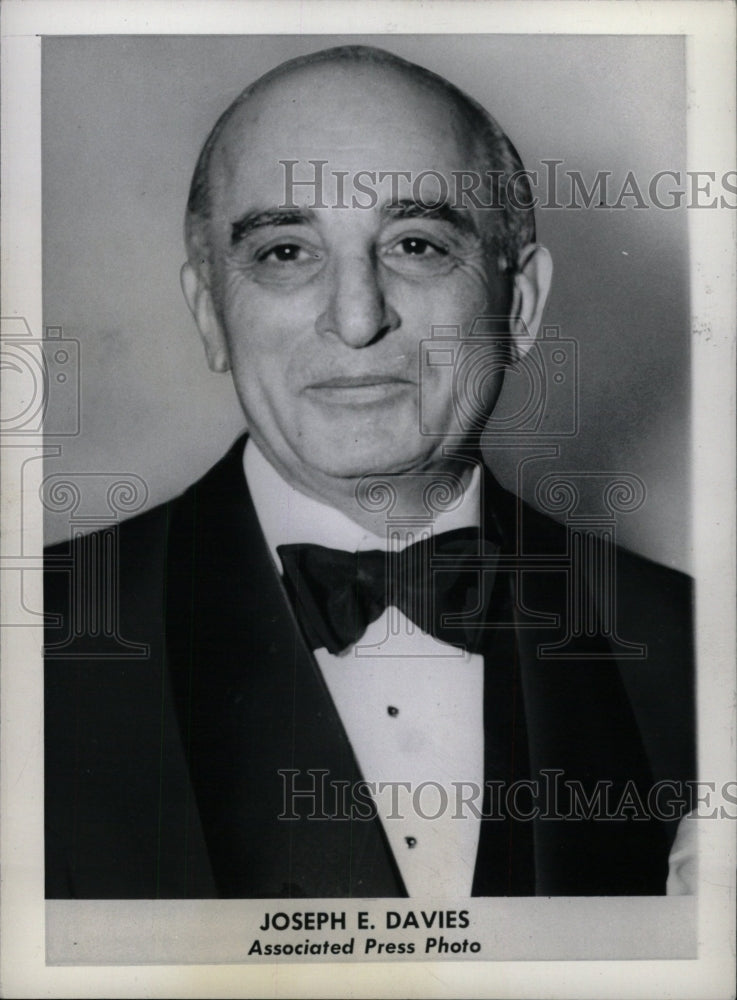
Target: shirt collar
[289, 517]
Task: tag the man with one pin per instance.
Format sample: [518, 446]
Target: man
[325, 627]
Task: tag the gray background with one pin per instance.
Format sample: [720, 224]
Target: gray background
[123, 120]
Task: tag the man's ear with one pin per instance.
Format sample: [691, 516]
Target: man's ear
[531, 287]
[199, 300]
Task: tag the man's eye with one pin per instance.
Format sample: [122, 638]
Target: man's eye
[415, 246]
[419, 257]
[286, 253]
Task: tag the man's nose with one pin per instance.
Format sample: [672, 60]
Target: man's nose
[357, 310]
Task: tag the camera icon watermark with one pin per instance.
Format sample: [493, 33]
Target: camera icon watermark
[42, 381]
[469, 371]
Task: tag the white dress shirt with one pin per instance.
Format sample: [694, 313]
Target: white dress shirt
[411, 705]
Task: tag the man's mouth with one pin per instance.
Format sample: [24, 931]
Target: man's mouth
[358, 381]
[357, 390]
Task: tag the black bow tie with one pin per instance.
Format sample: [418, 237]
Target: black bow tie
[338, 594]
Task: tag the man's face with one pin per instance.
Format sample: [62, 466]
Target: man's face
[324, 308]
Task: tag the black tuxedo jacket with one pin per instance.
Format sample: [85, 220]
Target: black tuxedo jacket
[181, 701]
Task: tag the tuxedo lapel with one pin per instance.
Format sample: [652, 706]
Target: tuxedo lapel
[583, 735]
[579, 727]
[505, 860]
[255, 715]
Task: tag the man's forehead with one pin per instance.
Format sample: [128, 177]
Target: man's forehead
[341, 88]
[355, 116]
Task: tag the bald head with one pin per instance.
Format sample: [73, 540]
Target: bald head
[322, 82]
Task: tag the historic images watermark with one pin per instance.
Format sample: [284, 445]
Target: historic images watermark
[309, 185]
[312, 795]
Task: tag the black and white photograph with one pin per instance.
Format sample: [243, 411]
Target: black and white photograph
[370, 544]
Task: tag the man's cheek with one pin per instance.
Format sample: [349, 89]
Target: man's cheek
[436, 412]
[475, 274]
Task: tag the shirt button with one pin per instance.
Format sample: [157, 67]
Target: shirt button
[392, 710]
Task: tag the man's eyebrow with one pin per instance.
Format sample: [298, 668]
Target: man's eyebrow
[408, 208]
[268, 217]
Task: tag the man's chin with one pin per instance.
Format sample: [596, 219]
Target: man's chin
[374, 460]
